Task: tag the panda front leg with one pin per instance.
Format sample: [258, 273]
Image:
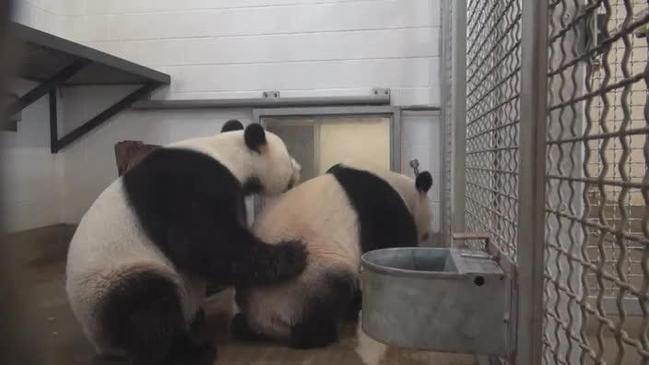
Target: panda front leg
[254, 263]
[324, 309]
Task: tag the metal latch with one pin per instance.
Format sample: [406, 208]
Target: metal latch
[271, 94]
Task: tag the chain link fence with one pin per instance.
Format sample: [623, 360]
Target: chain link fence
[596, 245]
[597, 241]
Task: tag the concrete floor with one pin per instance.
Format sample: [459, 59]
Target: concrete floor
[40, 258]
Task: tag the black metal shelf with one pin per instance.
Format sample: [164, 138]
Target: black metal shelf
[55, 62]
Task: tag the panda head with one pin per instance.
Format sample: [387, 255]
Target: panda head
[421, 208]
[415, 195]
[271, 169]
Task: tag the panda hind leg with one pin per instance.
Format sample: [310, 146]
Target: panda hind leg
[314, 332]
[241, 329]
[143, 316]
[324, 310]
[355, 306]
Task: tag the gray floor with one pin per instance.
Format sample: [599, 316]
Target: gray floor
[40, 258]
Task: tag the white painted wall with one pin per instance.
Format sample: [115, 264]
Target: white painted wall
[40, 14]
[238, 48]
[52, 16]
[33, 178]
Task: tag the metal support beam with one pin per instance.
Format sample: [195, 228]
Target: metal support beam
[44, 87]
[54, 124]
[531, 187]
[459, 116]
[125, 103]
[374, 99]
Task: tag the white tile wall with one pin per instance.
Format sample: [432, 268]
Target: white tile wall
[235, 48]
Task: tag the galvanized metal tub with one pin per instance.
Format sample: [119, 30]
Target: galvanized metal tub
[436, 299]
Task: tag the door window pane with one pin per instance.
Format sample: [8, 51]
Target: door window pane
[321, 142]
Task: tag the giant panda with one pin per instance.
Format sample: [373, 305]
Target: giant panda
[140, 258]
[339, 216]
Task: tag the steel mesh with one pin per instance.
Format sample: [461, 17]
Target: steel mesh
[597, 185]
[447, 114]
[493, 65]
[597, 182]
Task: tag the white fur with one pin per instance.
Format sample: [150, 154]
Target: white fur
[272, 165]
[319, 213]
[109, 243]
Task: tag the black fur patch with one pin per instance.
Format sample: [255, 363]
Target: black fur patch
[356, 306]
[252, 186]
[424, 181]
[142, 315]
[255, 136]
[385, 221]
[232, 125]
[190, 205]
[323, 311]
[335, 168]
[182, 198]
[241, 330]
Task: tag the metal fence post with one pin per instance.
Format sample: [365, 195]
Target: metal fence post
[459, 115]
[529, 347]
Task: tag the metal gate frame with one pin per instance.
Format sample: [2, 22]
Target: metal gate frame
[527, 296]
[548, 164]
[529, 346]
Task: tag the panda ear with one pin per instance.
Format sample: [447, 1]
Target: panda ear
[334, 168]
[424, 181]
[255, 136]
[232, 125]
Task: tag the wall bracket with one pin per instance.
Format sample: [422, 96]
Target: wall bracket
[54, 62]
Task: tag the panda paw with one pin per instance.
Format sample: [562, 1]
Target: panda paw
[197, 354]
[199, 318]
[241, 330]
[291, 259]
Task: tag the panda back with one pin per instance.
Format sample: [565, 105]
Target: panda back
[109, 233]
[379, 200]
[319, 213]
[107, 245]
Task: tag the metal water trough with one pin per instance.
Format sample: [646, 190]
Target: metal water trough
[448, 300]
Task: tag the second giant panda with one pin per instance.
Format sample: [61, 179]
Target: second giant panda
[141, 256]
[339, 216]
